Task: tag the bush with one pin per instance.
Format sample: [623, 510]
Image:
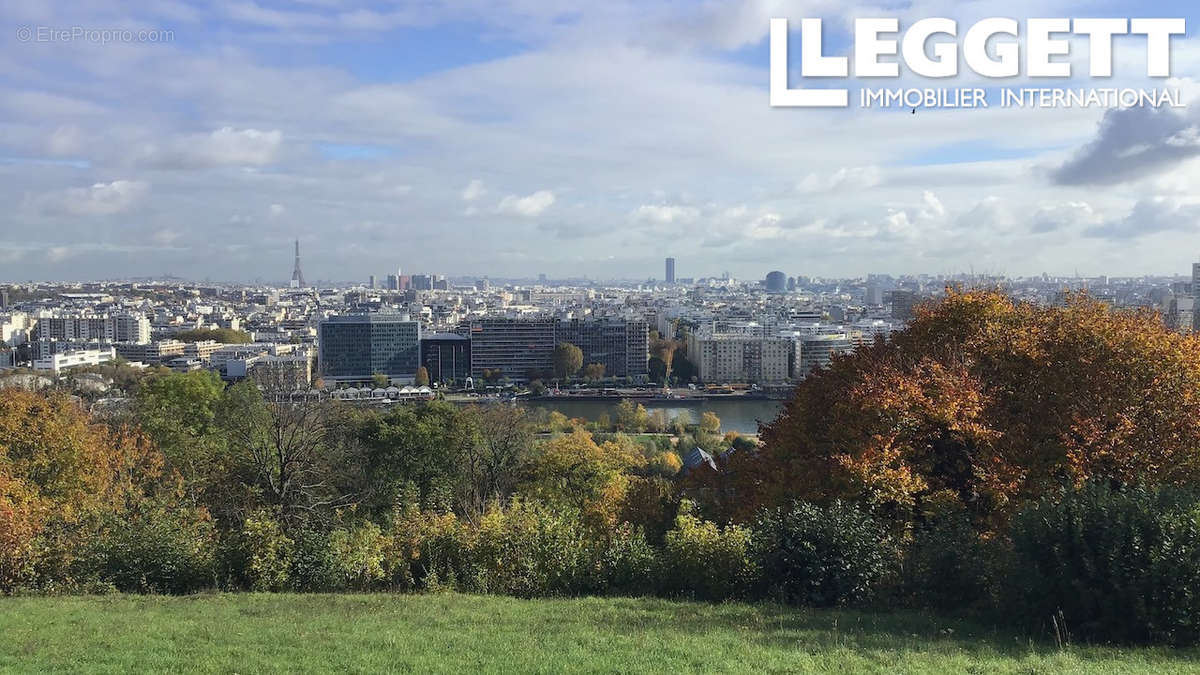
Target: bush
[531, 550]
[314, 564]
[358, 553]
[705, 561]
[430, 551]
[259, 557]
[822, 556]
[154, 548]
[948, 565]
[1111, 564]
[627, 564]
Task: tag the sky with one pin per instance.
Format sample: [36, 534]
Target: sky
[510, 138]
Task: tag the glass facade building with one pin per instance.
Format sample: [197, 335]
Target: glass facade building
[354, 347]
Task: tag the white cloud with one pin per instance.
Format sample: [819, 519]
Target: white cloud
[474, 190]
[224, 147]
[664, 214]
[276, 210]
[530, 206]
[854, 178]
[100, 199]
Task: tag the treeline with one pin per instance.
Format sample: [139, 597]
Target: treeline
[1035, 465]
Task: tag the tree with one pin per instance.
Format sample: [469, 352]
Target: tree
[178, 411]
[594, 372]
[422, 377]
[380, 380]
[573, 470]
[223, 335]
[288, 451]
[664, 349]
[567, 359]
[983, 404]
[61, 473]
[431, 447]
[491, 465]
[710, 423]
[631, 417]
[684, 369]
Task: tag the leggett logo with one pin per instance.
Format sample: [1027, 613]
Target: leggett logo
[930, 48]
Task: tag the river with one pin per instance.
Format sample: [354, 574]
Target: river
[740, 416]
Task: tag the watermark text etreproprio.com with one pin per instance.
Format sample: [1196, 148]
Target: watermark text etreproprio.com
[94, 35]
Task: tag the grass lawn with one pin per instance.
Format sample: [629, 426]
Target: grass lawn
[462, 633]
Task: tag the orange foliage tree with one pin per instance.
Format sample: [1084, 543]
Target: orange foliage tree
[60, 472]
[981, 404]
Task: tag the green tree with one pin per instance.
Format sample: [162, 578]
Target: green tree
[178, 411]
[594, 372]
[380, 380]
[223, 335]
[567, 359]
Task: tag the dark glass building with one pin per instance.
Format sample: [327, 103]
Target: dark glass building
[354, 347]
[447, 357]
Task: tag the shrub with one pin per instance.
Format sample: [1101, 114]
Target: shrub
[1111, 564]
[314, 564]
[626, 564]
[530, 550]
[430, 551]
[259, 557]
[358, 553]
[153, 548]
[948, 565]
[822, 556]
[706, 561]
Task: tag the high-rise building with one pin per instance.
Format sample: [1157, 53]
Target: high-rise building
[728, 357]
[393, 282]
[816, 351]
[446, 356]
[522, 349]
[371, 281]
[776, 282]
[621, 346]
[902, 303]
[297, 275]
[874, 294]
[670, 271]
[355, 347]
[3, 298]
[519, 349]
[101, 329]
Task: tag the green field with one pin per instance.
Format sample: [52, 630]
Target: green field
[462, 633]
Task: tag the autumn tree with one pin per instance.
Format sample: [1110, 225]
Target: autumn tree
[594, 372]
[61, 474]
[567, 359]
[573, 470]
[664, 350]
[421, 379]
[982, 404]
[630, 416]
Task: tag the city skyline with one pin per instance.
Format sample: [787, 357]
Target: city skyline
[490, 140]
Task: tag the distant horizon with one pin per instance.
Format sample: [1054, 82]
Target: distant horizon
[515, 138]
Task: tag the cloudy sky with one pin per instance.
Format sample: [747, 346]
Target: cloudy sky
[517, 137]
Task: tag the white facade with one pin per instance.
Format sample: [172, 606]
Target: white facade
[126, 328]
[55, 363]
[739, 357]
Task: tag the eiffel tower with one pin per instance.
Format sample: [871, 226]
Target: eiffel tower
[297, 275]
